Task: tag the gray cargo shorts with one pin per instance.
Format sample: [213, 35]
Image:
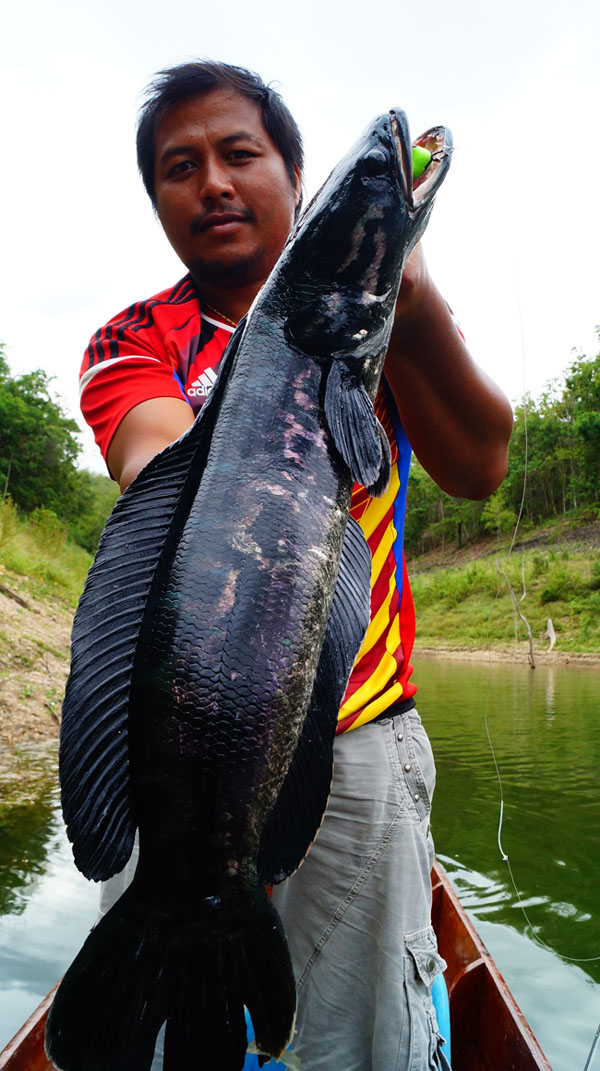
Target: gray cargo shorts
[358, 911]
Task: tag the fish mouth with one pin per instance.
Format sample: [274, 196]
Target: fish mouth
[437, 141]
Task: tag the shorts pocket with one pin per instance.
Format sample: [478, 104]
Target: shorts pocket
[423, 753]
[416, 762]
[421, 1042]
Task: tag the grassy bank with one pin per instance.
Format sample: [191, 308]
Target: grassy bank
[35, 550]
[463, 600]
[41, 577]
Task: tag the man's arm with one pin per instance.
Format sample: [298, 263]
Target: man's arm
[457, 420]
[144, 431]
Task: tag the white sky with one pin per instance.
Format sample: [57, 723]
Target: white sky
[514, 238]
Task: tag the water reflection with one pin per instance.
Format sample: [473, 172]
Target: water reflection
[47, 907]
[27, 809]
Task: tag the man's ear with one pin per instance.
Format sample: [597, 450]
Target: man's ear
[297, 185]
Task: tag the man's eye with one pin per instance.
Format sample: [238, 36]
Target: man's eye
[240, 154]
[181, 167]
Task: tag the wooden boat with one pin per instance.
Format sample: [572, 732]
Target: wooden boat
[489, 1032]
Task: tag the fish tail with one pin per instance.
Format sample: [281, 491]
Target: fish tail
[250, 968]
[137, 972]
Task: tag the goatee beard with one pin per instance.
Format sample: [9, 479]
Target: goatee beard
[229, 274]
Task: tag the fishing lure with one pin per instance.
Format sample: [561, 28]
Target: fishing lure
[421, 159]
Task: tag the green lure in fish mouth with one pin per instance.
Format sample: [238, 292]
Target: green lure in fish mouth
[430, 154]
[421, 159]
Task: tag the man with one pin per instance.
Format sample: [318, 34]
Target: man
[221, 159]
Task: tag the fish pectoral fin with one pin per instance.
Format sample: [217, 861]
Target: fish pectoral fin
[356, 431]
[94, 739]
[94, 742]
[296, 818]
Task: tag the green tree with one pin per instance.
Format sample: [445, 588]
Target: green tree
[38, 448]
[100, 493]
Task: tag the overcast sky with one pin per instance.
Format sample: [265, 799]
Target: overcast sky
[513, 240]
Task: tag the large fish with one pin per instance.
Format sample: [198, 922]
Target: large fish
[215, 636]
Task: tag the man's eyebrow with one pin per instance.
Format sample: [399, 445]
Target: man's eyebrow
[240, 135]
[176, 150]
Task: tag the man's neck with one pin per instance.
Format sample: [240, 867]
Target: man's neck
[231, 304]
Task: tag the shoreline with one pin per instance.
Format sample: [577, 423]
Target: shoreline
[518, 656]
[34, 664]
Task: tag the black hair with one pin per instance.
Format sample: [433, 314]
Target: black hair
[189, 80]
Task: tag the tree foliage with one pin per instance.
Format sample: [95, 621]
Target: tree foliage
[38, 455]
[553, 469]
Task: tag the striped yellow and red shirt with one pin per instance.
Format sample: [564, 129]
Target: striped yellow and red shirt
[380, 676]
[168, 347]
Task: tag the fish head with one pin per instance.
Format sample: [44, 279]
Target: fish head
[338, 277]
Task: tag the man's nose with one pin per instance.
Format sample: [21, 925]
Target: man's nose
[216, 181]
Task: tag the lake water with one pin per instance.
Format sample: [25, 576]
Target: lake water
[544, 726]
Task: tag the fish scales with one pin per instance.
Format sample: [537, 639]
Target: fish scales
[271, 635]
[234, 592]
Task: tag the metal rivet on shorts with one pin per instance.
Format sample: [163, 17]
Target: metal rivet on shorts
[416, 795]
[430, 965]
[400, 736]
[407, 766]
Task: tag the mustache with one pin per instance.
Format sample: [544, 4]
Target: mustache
[199, 223]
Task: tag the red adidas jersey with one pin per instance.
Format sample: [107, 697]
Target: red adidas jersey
[168, 347]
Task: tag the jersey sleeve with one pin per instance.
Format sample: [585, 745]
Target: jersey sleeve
[127, 362]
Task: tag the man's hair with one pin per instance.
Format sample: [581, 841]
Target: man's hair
[188, 80]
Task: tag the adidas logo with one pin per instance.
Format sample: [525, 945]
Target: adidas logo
[202, 386]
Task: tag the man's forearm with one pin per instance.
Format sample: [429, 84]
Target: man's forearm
[457, 420]
[143, 432]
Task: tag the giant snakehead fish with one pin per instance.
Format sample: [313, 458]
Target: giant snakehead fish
[215, 637]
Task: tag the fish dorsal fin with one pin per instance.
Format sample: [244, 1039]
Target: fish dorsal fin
[294, 822]
[356, 431]
[94, 745]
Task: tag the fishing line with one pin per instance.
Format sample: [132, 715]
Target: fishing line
[510, 550]
[503, 854]
[588, 1062]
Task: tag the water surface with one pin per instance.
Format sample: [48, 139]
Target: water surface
[46, 906]
[541, 728]
[544, 726]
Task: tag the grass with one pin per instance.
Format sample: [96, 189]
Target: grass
[36, 549]
[469, 606]
[465, 606]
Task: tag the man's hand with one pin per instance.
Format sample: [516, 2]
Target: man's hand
[415, 278]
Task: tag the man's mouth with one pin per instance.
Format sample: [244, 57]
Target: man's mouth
[219, 221]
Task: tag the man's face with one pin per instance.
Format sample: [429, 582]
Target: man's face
[223, 194]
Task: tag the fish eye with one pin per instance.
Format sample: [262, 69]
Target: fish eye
[376, 161]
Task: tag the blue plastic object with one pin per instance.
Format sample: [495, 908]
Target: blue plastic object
[439, 995]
